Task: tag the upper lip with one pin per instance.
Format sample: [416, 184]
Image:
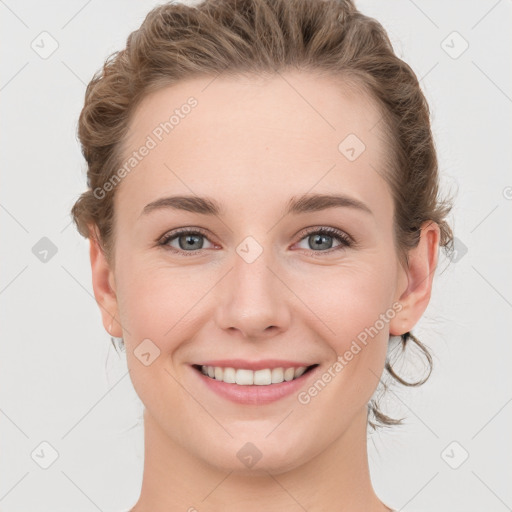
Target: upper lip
[255, 365]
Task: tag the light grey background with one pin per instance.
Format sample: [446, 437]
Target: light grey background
[61, 383]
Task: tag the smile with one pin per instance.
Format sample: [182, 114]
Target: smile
[246, 377]
[254, 387]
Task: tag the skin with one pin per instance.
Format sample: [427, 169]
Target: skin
[251, 144]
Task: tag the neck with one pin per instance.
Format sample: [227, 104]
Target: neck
[336, 480]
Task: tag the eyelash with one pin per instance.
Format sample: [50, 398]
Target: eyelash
[345, 240]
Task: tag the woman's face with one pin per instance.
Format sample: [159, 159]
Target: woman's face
[258, 282]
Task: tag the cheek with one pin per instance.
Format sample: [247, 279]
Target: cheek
[155, 300]
[155, 303]
[354, 311]
[351, 300]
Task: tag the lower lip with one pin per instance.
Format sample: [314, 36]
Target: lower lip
[255, 395]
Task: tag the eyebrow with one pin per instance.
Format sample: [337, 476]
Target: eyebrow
[296, 205]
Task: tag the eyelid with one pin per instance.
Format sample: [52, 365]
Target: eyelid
[330, 231]
[170, 235]
[181, 231]
[346, 241]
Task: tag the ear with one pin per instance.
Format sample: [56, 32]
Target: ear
[419, 277]
[103, 284]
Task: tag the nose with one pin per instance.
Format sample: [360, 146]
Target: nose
[253, 300]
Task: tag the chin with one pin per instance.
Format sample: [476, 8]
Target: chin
[255, 455]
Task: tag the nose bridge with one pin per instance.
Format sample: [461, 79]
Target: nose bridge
[252, 300]
[251, 272]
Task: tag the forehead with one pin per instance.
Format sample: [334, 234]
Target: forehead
[306, 105]
[253, 134]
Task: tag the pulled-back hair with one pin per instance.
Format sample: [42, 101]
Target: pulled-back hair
[264, 37]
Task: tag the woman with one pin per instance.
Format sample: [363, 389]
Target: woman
[264, 216]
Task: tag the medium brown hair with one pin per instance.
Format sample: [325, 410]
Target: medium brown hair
[231, 37]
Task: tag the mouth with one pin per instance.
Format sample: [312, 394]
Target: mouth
[248, 377]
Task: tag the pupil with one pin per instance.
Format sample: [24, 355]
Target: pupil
[190, 240]
[318, 239]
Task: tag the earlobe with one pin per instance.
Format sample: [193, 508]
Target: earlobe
[420, 274]
[104, 287]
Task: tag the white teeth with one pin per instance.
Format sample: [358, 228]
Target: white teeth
[277, 375]
[244, 377]
[229, 375]
[263, 377]
[289, 374]
[299, 371]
